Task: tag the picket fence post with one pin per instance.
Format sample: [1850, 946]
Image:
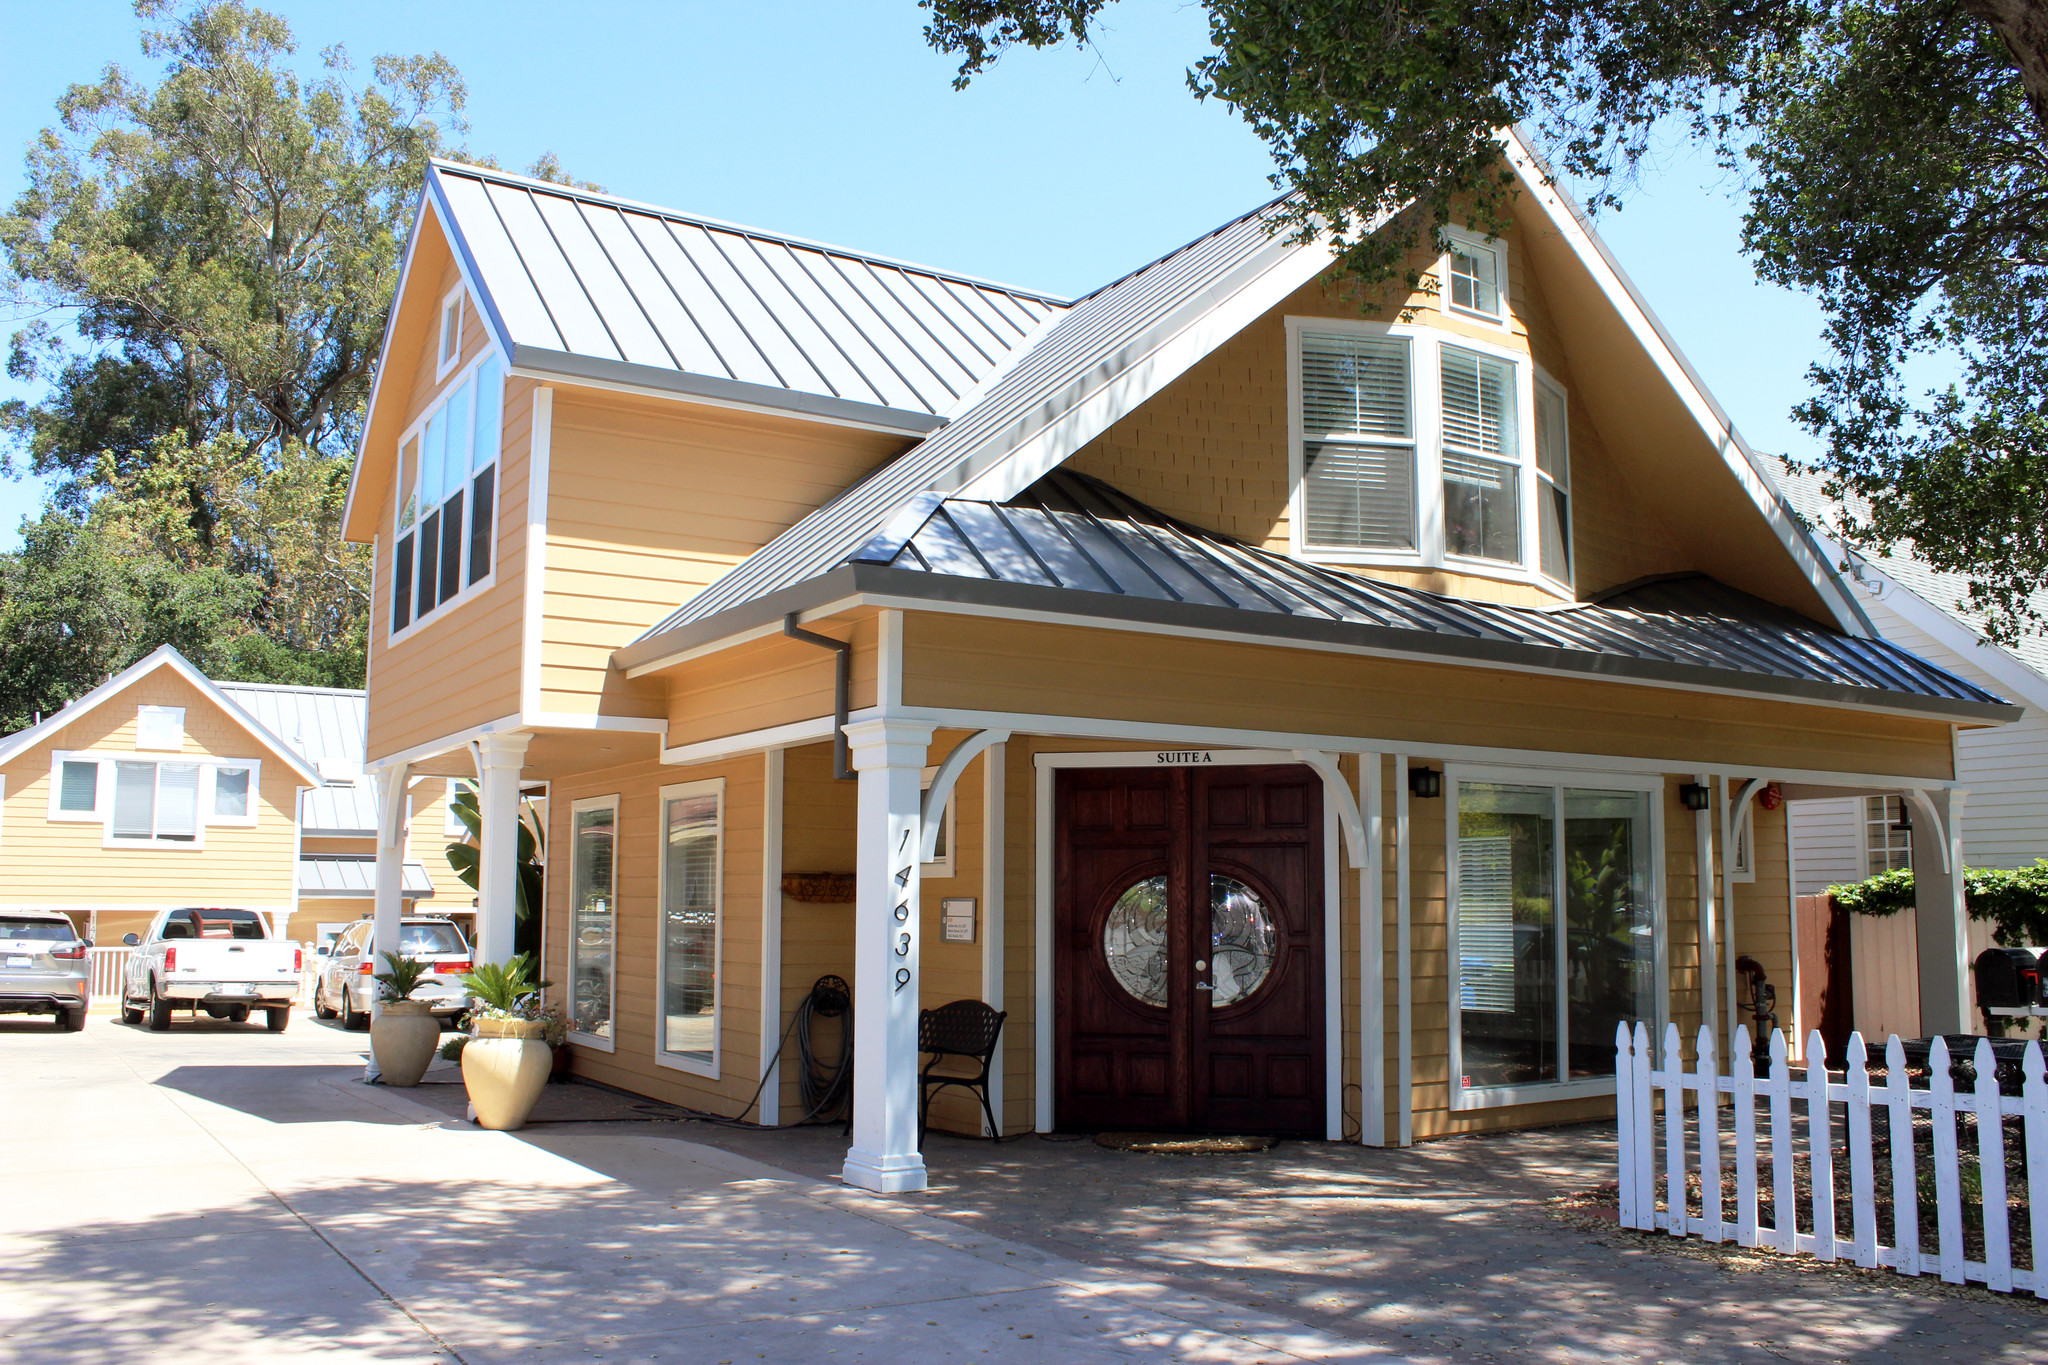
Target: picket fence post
[1646, 1133]
[2034, 1107]
[1862, 1178]
[1991, 1171]
[1948, 1200]
[1742, 1069]
[1820, 1146]
[1674, 1134]
[1707, 1073]
[1905, 1179]
[1624, 1125]
[1784, 1199]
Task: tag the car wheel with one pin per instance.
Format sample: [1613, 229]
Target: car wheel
[321, 1009]
[277, 1018]
[72, 1021]
[159, 1011]
[238, 1014]
[351, 1018]
[129, 1013]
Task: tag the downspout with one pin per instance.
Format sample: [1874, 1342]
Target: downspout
[842, 670]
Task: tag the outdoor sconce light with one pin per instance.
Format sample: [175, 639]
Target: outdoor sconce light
[1904, 824]
[1695, 795]
[1427, 783]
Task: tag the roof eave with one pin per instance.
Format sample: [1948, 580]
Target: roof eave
[880, 581]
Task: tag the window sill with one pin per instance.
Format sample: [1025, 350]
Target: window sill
[708, 1070]
[157, 845]
[593, 1042]
[1501, 1096]
[444, 610]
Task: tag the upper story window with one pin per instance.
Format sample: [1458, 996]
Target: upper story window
[449, 346]
[1475, 276]
[160, 727]
[144, 802]
[1414, 448]
[447, 482]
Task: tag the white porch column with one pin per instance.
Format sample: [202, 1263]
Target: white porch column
[889, 756]
[1943, 922]
[388, 906]
[499, 761]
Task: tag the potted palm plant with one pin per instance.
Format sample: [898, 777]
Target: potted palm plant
[405, 1032]
[507, 1059]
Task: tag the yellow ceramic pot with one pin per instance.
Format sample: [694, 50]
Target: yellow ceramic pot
[505, 1065]
[403, 1039]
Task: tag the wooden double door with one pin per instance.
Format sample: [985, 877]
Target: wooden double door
[1188, 949]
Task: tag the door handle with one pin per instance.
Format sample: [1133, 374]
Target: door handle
[1204, 986]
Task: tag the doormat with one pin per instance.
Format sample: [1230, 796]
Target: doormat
[1185, 1144]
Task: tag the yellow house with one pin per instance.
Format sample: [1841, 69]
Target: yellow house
[163, 788]
[1296, 717]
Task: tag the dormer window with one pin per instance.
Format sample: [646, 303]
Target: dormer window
[450, 334]
[1474, 275]
[1415, 448]
[447, 482]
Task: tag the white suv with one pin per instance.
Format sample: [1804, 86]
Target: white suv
[347, 983]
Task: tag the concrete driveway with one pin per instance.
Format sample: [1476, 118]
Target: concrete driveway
[222, 1193]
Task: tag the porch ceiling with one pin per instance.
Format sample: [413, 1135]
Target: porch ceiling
[1075, 546]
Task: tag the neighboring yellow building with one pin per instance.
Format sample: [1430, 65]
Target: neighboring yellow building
[162, 788]
[1297, 718]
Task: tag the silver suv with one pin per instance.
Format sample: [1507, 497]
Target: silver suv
[45, 967]
[347, 982]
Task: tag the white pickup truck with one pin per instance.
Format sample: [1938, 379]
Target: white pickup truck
[221, 961]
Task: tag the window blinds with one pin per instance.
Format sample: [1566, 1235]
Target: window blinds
[81, 786]
[177, 801]
[1479, 405]
[134, 800]
[1486, 924]
[1359, 458]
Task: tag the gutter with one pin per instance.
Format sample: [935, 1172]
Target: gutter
[842, 668]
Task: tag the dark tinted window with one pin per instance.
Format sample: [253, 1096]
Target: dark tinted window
[38, 930]
[480, 523]
[214, 924]
[401, 593]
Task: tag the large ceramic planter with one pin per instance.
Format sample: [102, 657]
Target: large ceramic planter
[505, 1065]
[404, 1039]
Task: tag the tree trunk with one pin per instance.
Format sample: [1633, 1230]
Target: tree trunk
[2023, 26]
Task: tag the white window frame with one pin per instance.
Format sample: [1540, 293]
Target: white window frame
[1426, 344]
[447, 357]
[1538, 479]
[1653, 784]
[165, 714]
[1863, 823]
[1474, 243]
[102, 813]
[942, 865]
[1742, 855]
[576, 1035]
[466, 591]
[714, 787]
[451, 826]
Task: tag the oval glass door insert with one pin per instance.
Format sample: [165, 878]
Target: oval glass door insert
[1134, 941]
[1242, 937]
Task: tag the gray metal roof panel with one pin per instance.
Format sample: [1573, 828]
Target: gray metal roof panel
[611, 280]
[353, 875]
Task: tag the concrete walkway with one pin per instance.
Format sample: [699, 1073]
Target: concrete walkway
[219, 1193]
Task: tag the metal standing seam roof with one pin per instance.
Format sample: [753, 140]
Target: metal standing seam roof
[351, 875]
[325, 726]
[571, 275]
[1102, 336]
[1074, 544]
[1804, 490]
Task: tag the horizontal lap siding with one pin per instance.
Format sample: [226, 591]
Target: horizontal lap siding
[648, 503]
[62, 862]
[463, 667]
[818, 818]
[1763, 917]
[994, 665]
[770, 682]
[1827, 838]
[632, 1064]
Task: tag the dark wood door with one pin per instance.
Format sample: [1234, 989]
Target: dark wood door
[1188, 977]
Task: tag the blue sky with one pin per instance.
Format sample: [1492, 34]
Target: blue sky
[1055, 171]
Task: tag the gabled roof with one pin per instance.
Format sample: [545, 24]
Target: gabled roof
[164, 656]
[1113, 350]
[1805, 490]
[1076, 546]
[591, 286]
[326, 727]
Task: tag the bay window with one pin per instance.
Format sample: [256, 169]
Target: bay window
[142, 801]
[1554, 931]
[1358, 445]
[1553, 482]
[691, 900]
[1482, 457]
[447, 479]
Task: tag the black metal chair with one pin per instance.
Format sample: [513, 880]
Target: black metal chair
[958, 1035]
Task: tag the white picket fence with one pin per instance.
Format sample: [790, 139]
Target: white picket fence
[1724, 1145]
[108, 965]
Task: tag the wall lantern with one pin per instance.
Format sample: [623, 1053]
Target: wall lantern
[1695, 795]
[1427, 783]
[1904, 824]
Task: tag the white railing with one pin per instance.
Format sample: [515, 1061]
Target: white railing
[1817, 1140]
[108, 966]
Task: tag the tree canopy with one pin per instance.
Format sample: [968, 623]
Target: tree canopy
[1894, 154]
[204, 266]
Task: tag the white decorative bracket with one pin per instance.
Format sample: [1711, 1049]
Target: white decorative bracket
[1338, 791]
[930, 820]
[1924, 808]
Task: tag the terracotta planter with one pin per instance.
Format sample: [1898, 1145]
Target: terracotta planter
[404, 1039]
[505, 1067]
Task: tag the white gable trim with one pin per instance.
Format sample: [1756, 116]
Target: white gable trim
[1170, 350]
[164, 656]
[1657, 343]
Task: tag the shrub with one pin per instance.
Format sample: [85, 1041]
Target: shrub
[2013, 901]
